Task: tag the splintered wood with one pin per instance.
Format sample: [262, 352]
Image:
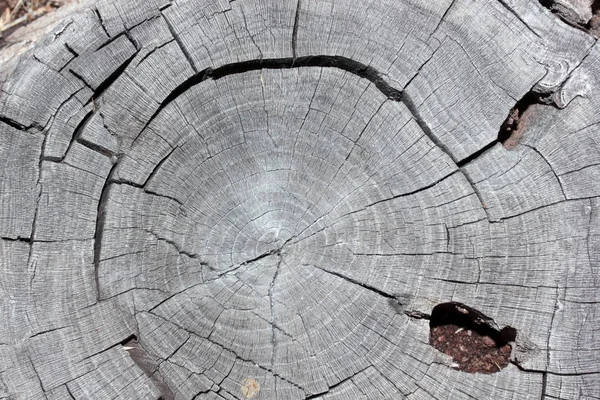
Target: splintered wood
[266, 199]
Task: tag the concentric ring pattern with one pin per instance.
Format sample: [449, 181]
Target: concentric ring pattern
[254, 199]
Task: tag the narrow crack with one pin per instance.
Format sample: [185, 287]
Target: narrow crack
[184, 50]
[96, 147]
[330, 388]
[121, 343]
[71, 50]
[48, 331]
[34, 266]
[150, 52]
[551, 169]
[295, 30]
[99, 232]
[175, 245]
[415, 314]
[407, 100]
[113, 39]
[145, 362]
[441, 21]
[272, 304]
[76, 135]
[424, 188]
[37, 375]
[69, 391]
[477, 154]
[546, 372]
[513, 12]
[14, 124]
[17, 239]
[544, 385]
[112, 78]
[81, 78]
[355, 282]
[146, 190]
[101, 20]
[56, 34]
[237, 356]
[39, 188]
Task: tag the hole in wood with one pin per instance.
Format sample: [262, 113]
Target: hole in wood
[593, 25]
[471, 338]
[513, 127]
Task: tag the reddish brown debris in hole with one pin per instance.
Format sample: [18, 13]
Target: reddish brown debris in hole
[472, 351]
[594, 25]
[516, 125]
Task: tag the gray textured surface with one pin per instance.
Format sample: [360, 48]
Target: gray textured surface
[273, 222]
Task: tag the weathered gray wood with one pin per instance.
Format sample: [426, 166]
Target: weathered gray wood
[20, 153]
[262, 199]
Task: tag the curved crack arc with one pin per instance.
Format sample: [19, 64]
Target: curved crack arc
[99, 232]
[343, 63]
[324, 61]
[339, 62]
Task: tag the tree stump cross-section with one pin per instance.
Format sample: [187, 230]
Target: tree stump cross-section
[280, 199]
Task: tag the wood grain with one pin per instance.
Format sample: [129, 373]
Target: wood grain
[266, 199]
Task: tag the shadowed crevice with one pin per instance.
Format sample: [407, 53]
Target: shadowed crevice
[468, 317]
[187, 55]
[14, 124]
[112, 78]
[100, 219]
[148, 365]
[564, 16]
[17, 239]
[325, 61]
[340, 383]
[513, 12]
[101, 20]
[355, 282]
[343, 63]
[513, 127]
[471, 338]
[295, 30]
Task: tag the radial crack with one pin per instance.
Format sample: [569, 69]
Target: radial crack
[355, 282]
[295, 30]
[513, 12]
[551, 169]
[330, 388]
[184, 50]
[271, 303]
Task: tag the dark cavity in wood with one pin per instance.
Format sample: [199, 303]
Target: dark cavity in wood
[470, 337]
[359, 69]
[512, 129]
[591, 27]
[13, 123]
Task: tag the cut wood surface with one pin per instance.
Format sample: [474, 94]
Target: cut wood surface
[266, 199]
